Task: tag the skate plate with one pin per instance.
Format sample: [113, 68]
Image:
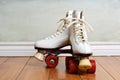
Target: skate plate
[62, 52]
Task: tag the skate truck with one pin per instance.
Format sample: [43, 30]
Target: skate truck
[72, 61]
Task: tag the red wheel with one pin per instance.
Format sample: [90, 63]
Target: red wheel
[73, 66]
[51, 61]
[67, 59]
[93, 68]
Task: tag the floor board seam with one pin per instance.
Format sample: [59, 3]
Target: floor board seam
[23, 68]
[5, 60]
[106, 70]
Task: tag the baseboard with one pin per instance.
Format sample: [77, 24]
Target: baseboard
[27, 48]
[17, 49]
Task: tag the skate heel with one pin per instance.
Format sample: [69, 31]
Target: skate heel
[84, 64]
[39, 56]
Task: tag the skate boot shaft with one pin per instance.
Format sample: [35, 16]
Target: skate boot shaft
[58, 39]
[79, 40]
[78, 35]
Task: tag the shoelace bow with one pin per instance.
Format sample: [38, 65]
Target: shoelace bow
[76, 20]
[79, 21]
[60, 28]
[62, 24]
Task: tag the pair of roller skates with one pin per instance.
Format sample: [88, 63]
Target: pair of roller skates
[72, 33]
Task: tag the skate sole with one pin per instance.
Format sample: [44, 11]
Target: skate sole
[51, 48]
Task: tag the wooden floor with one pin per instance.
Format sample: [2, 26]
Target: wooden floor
[29, 68]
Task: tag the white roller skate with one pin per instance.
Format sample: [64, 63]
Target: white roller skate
[55, 41]
[79, 41]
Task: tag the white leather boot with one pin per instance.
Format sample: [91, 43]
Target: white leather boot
[79, 41]
[58, 39]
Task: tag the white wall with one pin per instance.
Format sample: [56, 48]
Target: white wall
[31, 20]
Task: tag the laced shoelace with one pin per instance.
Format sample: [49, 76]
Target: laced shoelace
[79, 32]
[61, 27]
[79, 21]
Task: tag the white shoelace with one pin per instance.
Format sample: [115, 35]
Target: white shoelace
[79, 29]
[66, 24]
[79, 21]
[61, 28]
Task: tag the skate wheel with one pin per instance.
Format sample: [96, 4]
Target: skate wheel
[93, 68]
[51, 61]
[73, 66]
[67, 59]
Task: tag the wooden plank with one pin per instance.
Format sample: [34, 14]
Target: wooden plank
[11, 68]
[3, 59]
[88, 77]
[110, 65]
[34, 70]
[29, 68]
[118, 57]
